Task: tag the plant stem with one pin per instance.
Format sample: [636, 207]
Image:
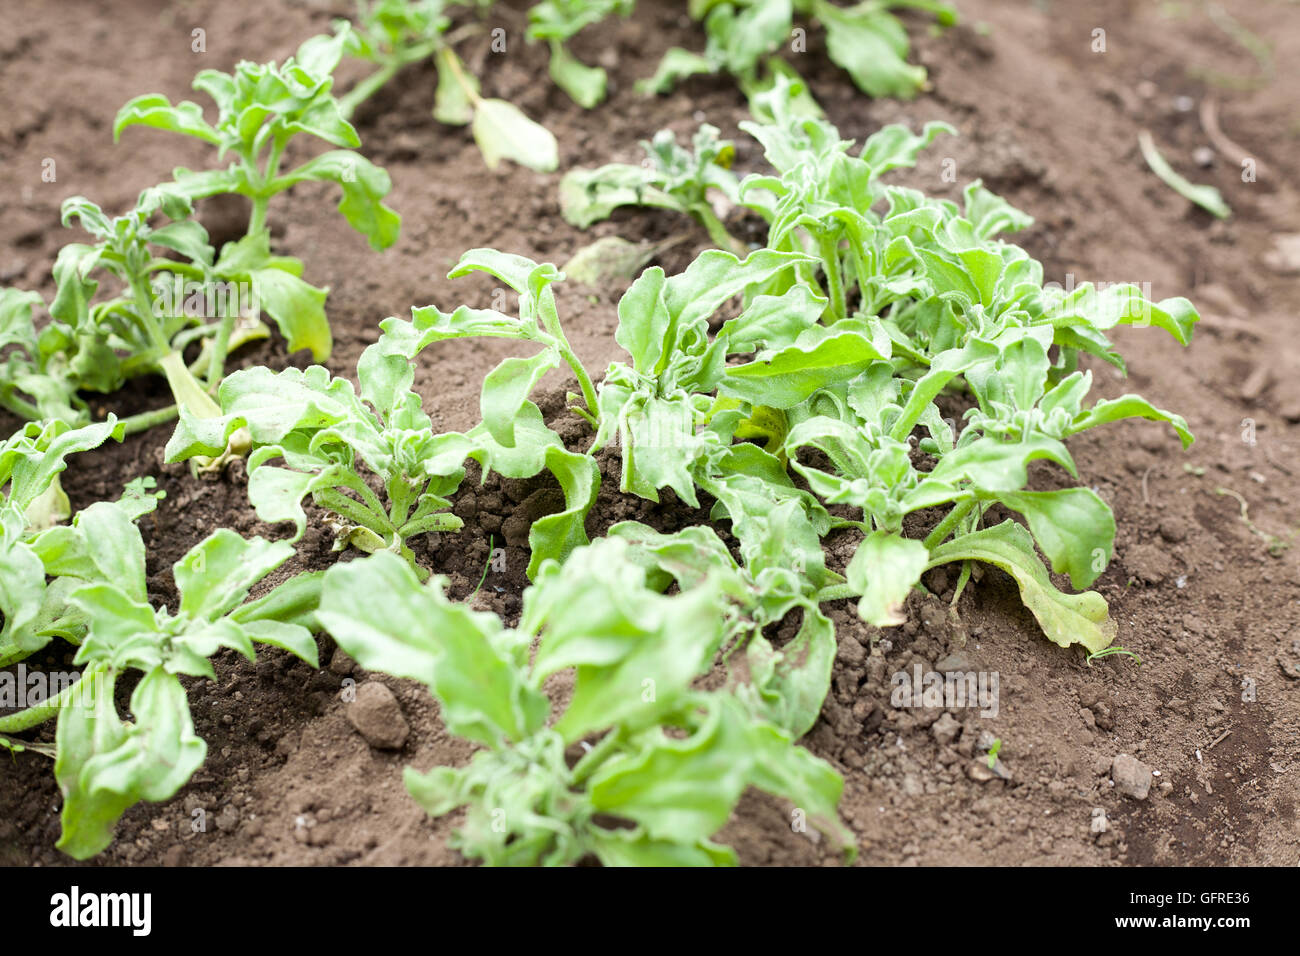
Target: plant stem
[949, 523]
[367, 88]
[349, 479]
[40, 713]
[828, 247]
[551, 323]
[400, 496]
[453, 64]
[220, 349]
[186, 389]
[21, 407]
[592, 759]
[835, 592]
[257, 221]
[356, 512]
[142, 422]
[718, 233]
[584, 381]
[144, 316]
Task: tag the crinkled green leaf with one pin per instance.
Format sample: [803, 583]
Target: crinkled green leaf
[417, 632]
[502, 131]
[884, 570]
[1065, 618]
[555, 536]
[1073, 526]
[105, 766]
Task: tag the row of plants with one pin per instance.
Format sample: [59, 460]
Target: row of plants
[798, 390]
[743, 38]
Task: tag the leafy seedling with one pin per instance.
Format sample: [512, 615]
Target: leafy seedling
[393, 34]
[743, 36]
[35, 381]
[1207, 197]
[634, 653]
[513, 439]
[558, 21]
[670, 178]
[1111, 652]
[104, 765]
[327, 438]
[260, 109]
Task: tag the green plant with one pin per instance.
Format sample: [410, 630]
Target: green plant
[35, 382]
[260, 109]
[1111, 652]
[855, 323]
[865, 39]
[670, 178]
[1207, 197]
[638, 795]
[558, 21]
[143, 328]
[396, 33]
[30, 464]
[324, 432]
[105, 765]
[84, 583]
[513, 439]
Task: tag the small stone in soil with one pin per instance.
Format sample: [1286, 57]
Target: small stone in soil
[227, 819]
[1132, 777]
[377, 717]
[1148, 563]
[341, 663]
[957, 661]
[945, 730]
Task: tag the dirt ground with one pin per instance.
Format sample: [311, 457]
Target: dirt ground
[1204, 586]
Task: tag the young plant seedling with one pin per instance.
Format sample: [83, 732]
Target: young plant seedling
[670, 178]
[35, 381]
[513, 439]
[557, 22]
[325, 433]
[865, 39]
[34, 502]
[919, 300]
[260, 109]
[393, 34]
[103, 764]
[152, 320]
[635, 653]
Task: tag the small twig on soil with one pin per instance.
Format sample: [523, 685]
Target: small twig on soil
[1219, 739]
[1268, 455]
[1229, 149]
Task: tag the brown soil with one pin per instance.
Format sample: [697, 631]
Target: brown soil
[1045, 121]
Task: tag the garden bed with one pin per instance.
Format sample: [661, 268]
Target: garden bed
[1205, 598]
